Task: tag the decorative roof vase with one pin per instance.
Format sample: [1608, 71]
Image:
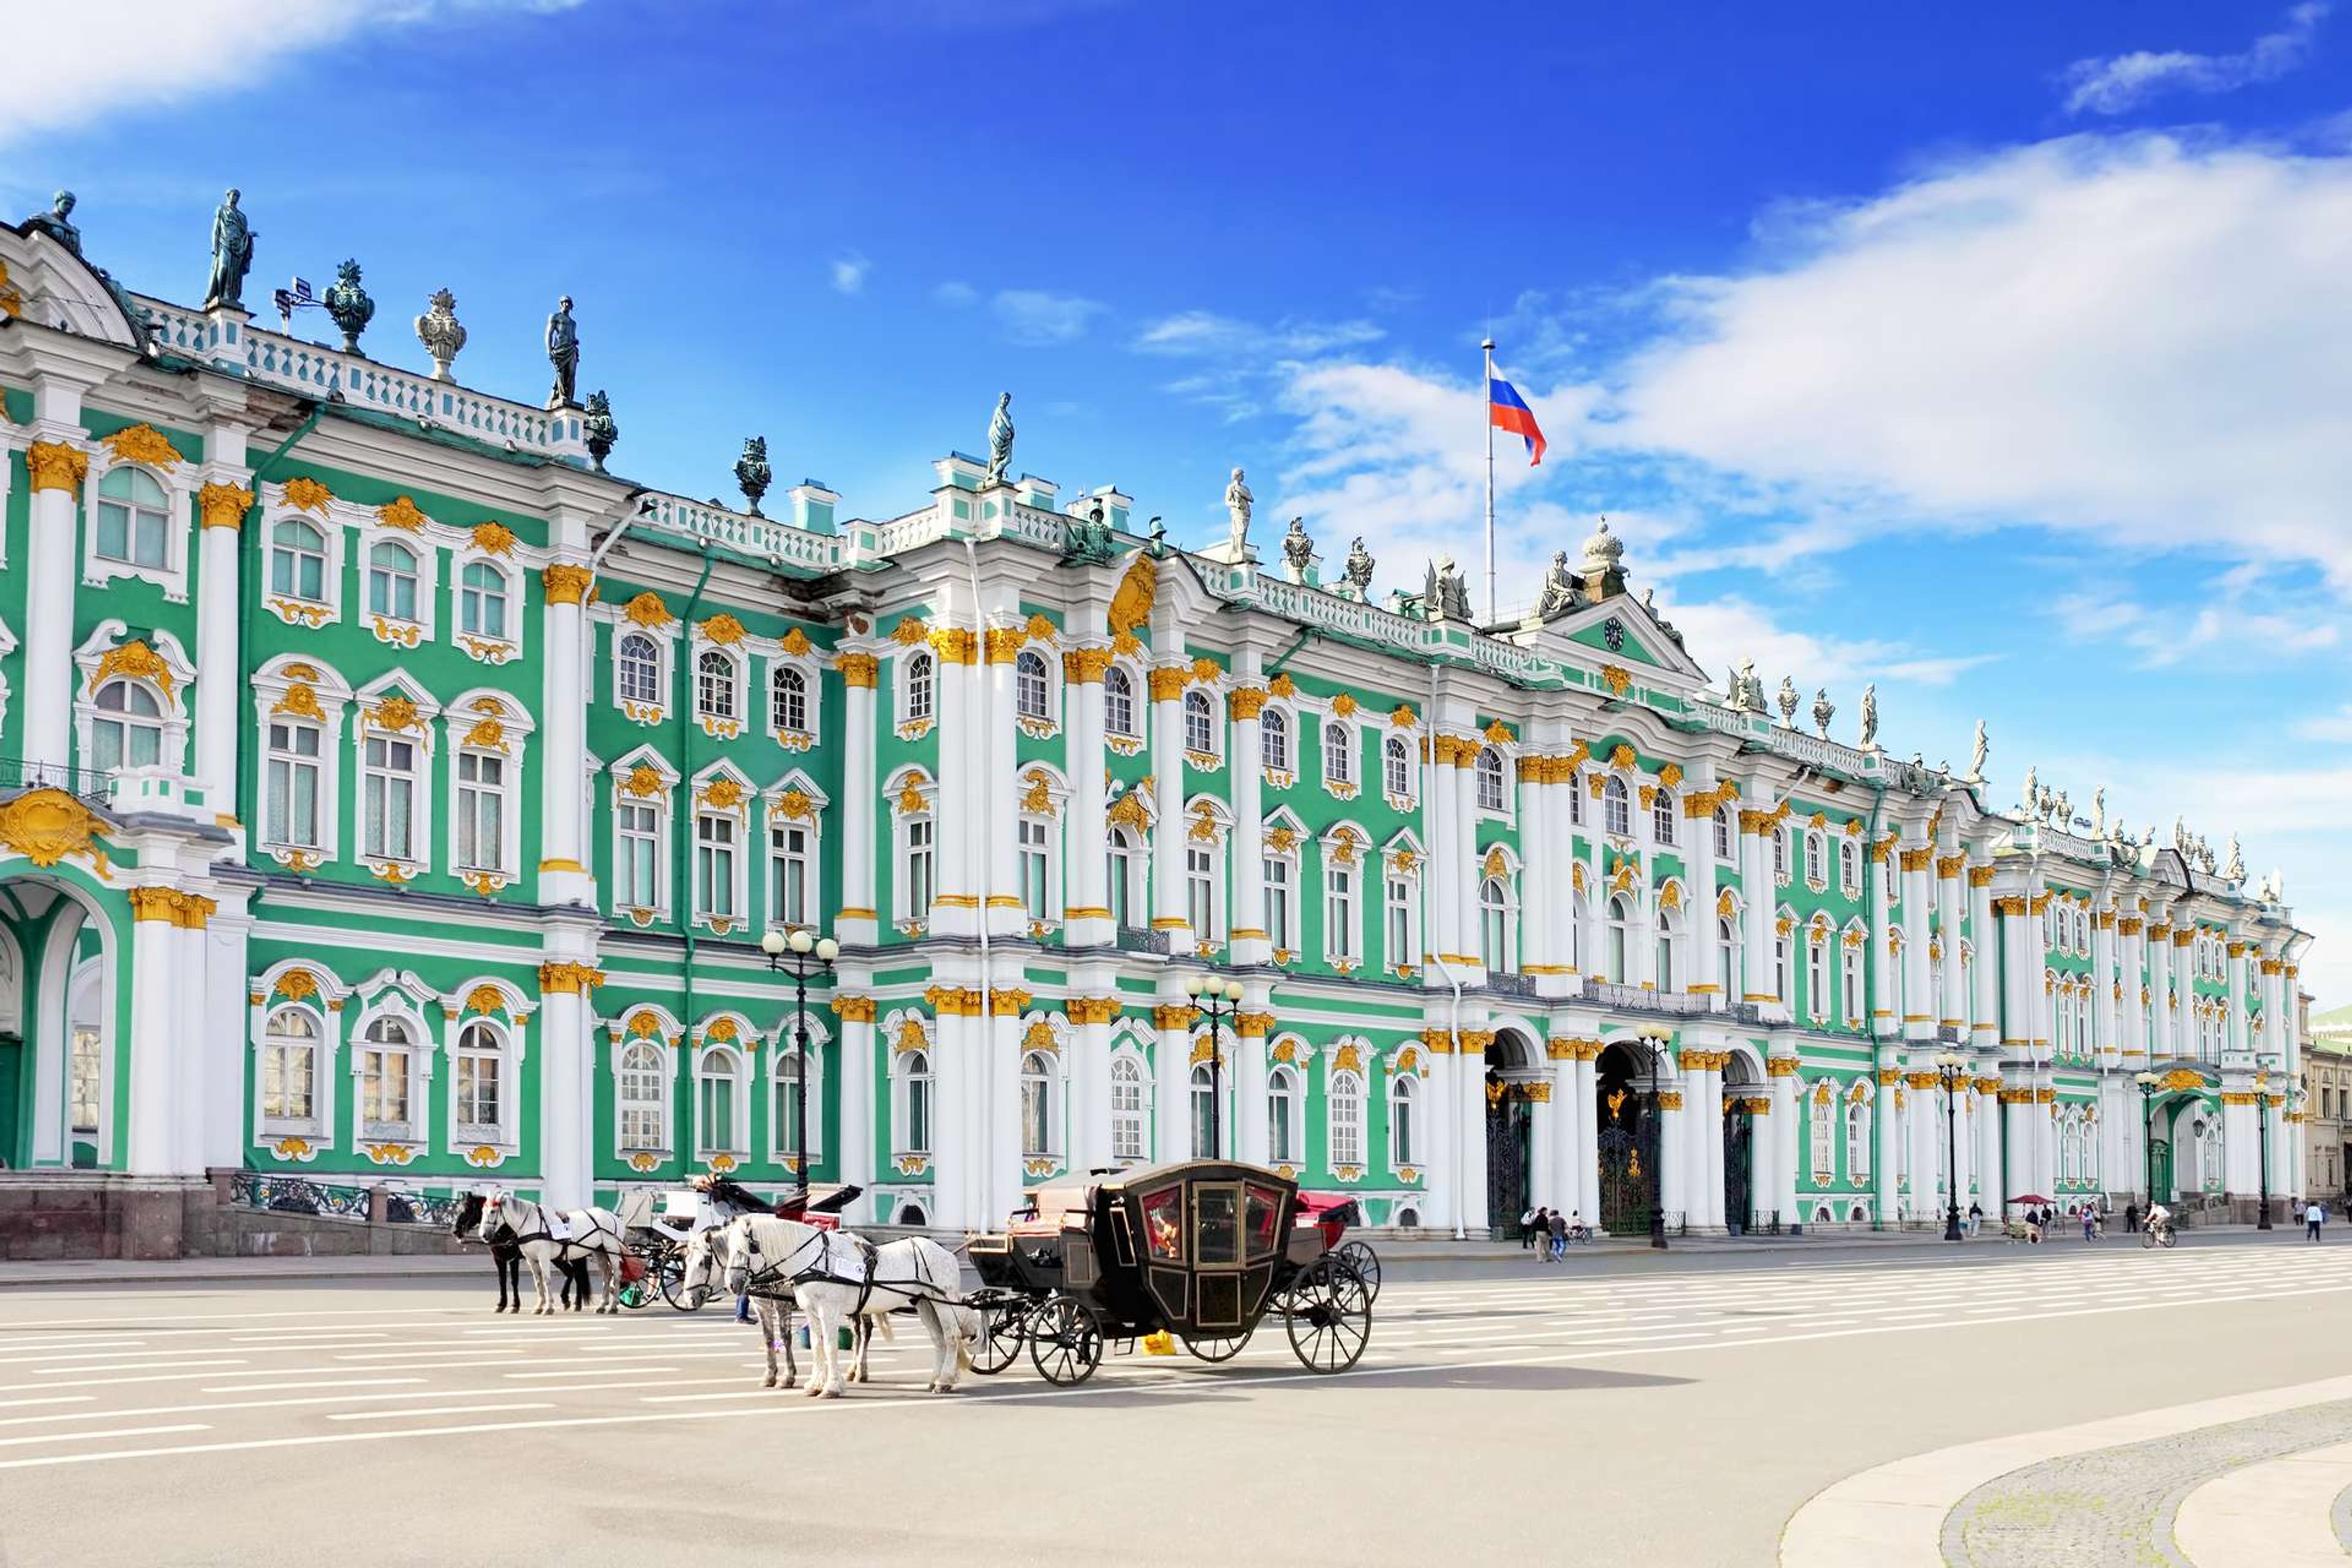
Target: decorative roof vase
[349, 305]
[440, 332]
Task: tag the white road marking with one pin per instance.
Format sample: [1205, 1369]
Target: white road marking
[92, 1436]
[430, 1410]
[315, 1383]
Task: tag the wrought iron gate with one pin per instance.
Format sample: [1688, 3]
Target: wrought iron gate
[1739, 1135]
[1629, 1157]
[1507, 1161]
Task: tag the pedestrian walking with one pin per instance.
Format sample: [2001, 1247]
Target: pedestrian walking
[2131, 1217]
[2314, 1216]
[1539, 1234]
[1558, 1237]
[1528, 1229]
[2089, 1223]
[1976, 1217]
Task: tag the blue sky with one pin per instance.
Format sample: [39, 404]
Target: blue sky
[2000, 354]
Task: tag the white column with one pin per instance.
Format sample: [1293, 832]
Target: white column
[563, 739]
[1168, 912]
[1984, 975]
[2238, 1038]
[2021, 1114]
[1702, 958]
[1252, 943]
[1955, 1012]
[1534, 860]
[1090, 1082]
[2102, 987]
[1006, 914]
[1566, 1175]
[197, 1060]
[1887, 1127]
[1442, 1209]
[1002, 1108]
[1990, 1190]
[1441, 898]
[1879, 965]
[565, 1053]
[1249, 1136]
[1587, 1129]
[959, 828]
[221, 507]
[1763, 1158]
[1464, 873]
[1918, 980]
[855, 1075]
[151, 1147]
[1172, 1074]
[1785, 1125]
[955, 1155]
[1702, 1128]
[2241, 1145]
[1543, 1139]
[1087, 921]
[1673, 1147]
[225, 1051]
[2184, 976]
[50, 569]
[1470, 1127]
[1757, 886]
[1921, 1124]
[861, 805]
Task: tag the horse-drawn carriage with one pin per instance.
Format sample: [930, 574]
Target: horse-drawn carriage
[656, 1226]
[1201, 1250]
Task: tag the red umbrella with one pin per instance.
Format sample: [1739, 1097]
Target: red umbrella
[2029, 1198]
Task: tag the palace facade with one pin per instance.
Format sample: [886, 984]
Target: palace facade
[396, 797]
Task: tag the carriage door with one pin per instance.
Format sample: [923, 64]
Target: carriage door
[1217, 1256]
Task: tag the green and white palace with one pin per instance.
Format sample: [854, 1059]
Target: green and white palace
[396, 798]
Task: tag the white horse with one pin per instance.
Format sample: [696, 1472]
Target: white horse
[587, 1233]
[706, 1260]
[837, 1277]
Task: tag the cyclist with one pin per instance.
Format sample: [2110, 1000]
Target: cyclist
[2159, 1218]
[1577, 1230]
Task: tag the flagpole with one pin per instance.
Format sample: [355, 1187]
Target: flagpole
[1487, 393]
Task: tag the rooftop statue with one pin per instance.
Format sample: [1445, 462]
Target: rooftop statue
[564, 353]
[1238, 501]
[1870, 716]
[1977, 753]
[1559, 591]
[597, 428]
[233, 240]
[1000, 439]
[349, 305]
[2065, 810]
[1747, 694]
[2099, 811]
[1445, 593]
[752, 472]
[1089, 542]
[1298, 549]
[1357, 573]
[440, 332]
[2029, 797]
[56, 224]
[2234, 868]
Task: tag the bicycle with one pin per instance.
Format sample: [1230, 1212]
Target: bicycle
[2158, 1235]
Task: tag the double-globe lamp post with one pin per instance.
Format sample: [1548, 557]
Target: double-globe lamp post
[1953, 1068]
[1209, 991]
[2262, 1128]
[800, 949]
[2147, 1082]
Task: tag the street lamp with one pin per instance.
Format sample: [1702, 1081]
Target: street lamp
[2262, 1128]
[1657, 1046]
[1952, 1069]
[1208, 991]
[2147, 1082]
[800, 948]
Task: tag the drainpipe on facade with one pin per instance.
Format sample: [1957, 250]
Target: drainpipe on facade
[247, 781]
[683, 876]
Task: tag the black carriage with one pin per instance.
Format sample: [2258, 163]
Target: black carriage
[1200, 1251]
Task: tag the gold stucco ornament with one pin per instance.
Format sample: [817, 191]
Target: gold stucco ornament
[45, 826]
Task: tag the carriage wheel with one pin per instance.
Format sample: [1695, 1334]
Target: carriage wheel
[1001, 1329]
[640, 1291]
[671, 1271]
[1214, 1348]
[1330, 1316]
[1366, 1263]
[1066, 1341]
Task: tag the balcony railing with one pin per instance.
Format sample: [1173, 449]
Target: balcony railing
[1137, 939]
[89, 783]
[1510, 985]
[1634, 998]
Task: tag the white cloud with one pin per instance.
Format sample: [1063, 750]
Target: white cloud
[848, 273]
[2330, 727]
[2119, 82]
[204, 48]
[1204, 333]
[1036, 316]
[956, 293]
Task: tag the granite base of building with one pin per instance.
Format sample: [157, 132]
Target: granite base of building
[47, 1217]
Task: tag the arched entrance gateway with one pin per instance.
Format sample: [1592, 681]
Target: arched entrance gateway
[1625, 1112]
[1513, 1072]
[1739, 1143]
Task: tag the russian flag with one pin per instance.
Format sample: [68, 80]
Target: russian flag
[1506, 410]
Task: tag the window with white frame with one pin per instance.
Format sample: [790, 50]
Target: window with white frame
[1199, 723]
[922, 865]
[791, 871]
[134, 518]
[714, 685]
[298, 560]
[1616, 815]
[387, 1059]
[1130, 1109]
[1727, 952]
[789, 1082]
[482, 600]
[1780, 966]
[1495, 922]
[292, 1068]
[1030, 693]
[1283, 1121]
[1850, 961]
[1857, 1139]
[788, 701]
[1204, 1115]
[1663, 810]
[1338, 753]
[1038, 1123]
[1034, 850]
[1722, 832]
[638, 677]
[127, 729]
[1850, 867]
[1125, 868]
[1781, 854]
[1347, 1119]
[1886, 876]
[1396, 767]
[1118, 703]
[1281, 901]
[1669, 940]
[85, 1079]
[913, 1122]
[1201, 888]
[715, 863]
[291, 784]
[919, 684]
[1821, 1113]
[1397, 919]
[717, 1096]
[392, 581]
[481, 810]
[1274, 739]
[1339, 909]
[643, 1096]
[1576, 799]
[1816, 860]
[477, 1087]
[1489, 774]
[1403, 1089]
[636, 853]
[1817, 974]
[388, 797]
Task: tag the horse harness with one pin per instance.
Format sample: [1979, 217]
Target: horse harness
[820, 1271]
[595, 1229]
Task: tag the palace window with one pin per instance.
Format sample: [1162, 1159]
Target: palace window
[1669, 937]
[714, 864]
[1201, 889]
[1616, 816]
[714, 685]
[1850, 962]
[919, 688]
[1280, 898]
[718, 1080]
[387, 1054]
[1346, 1128]
[636, 853]
[789, 1084]
[1402, 1091]
[1662, 816]
[1620, 940]
[1118, 703]
[1038, 1123]
[1723, 833]
[1726, 956]
[1339, 911]
[791, 872]
[392, 581]
[1030, 697]
[133, 518]
[1282, 1121]
[1849, 869]
[1199, 723]
[1489, 771]
[1397, 922]
[128, 729]
[481, 808]
[1339, 755]
[1781, 968]
[388, 798]
[788, 702]
[1576, 800]
[1128, 1108]
[1820, 1112]
[1781, 854]
[477, 1089]
[1274, 739]
[640, 668]
[1816, 863]
[298, 560]
[1205, 1101]
[1495, 922]
[1125, 868]
[1857, 1141]
[1396, 767]
[1817, 985]
[1036, 836]
[643, 1096]
[482, 600]
[291, 1069]
[914, 1118]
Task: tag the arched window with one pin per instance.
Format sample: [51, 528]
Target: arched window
[292, 789]
[1038, 1123]
[1857, 1139]
[1817, 974]
[1620, 930]
[1128, 1108]
[1204, 1130]
[482, 600]
[1662, 811]
[127, 730]
[1816, 861]
[1346, 1128]
[788, 707]
[1199, 723]
[1402, 1091]
[1029, 696]
[1118, 703]
[1126, 866]
[915, 1102]
[1723, 833]
[790, 1085]
[714, 685]
[1850, 962]
[1781, 853]
[918, 688]
[392, 581]
[386, 1055]
[1282, 1119]
[1490, 779]
[1495, 925]
[640, 672]
[1727, 953]
[1616, 816]
[290, 1069]
[1396, 765]
[1274, 739]
[481, 1098]
[1338, 753]
[133, 518]
[1821, 1116]
[717, 1078]
[1850, 866]
[298, 560]
[643, 1097]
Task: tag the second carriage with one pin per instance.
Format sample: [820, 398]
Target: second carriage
[1202, 1251]
[656, 1225]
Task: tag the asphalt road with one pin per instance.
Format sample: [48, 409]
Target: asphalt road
[1661, 1409]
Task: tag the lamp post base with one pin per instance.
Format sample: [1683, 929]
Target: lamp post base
[1952, 1226]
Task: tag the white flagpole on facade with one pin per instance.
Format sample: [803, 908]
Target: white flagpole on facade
[1486, 395]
